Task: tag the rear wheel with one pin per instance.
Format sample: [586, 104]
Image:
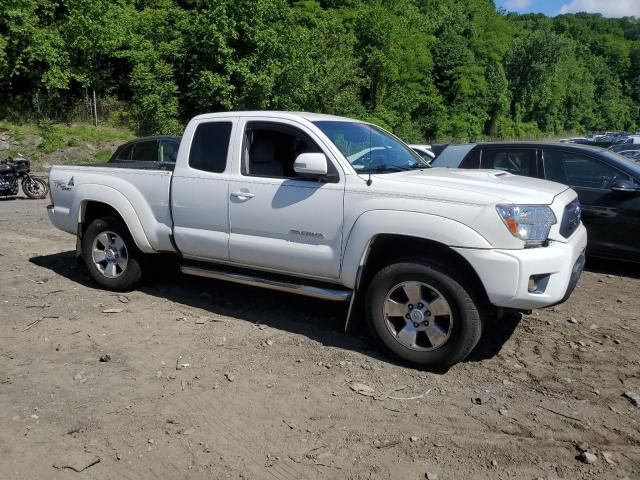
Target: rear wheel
[111, 255]
[34, 187]
[421, 312]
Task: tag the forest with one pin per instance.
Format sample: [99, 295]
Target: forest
[425, 69]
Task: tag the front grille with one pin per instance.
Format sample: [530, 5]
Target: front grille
[570, 219]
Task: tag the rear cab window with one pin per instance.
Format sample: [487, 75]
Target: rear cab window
[210, 146]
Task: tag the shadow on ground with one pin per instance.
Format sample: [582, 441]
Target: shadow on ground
[318, 320]
[613, 267]
[11, 198]
[496, 332]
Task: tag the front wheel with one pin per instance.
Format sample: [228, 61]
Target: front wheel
[35, 188]
[421, 312]
[111, 255]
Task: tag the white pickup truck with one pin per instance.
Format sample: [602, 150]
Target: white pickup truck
[336, 209]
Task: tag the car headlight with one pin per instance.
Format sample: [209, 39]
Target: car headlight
[530, 223]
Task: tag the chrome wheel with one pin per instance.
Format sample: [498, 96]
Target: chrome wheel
[109, 254]
[418, 316]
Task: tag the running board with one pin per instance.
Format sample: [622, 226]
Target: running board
[323, 293]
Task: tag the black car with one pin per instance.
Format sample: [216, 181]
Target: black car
[149, 152]
[624, 146]
[607, 184]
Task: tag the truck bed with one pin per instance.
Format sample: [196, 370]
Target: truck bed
[142, 193]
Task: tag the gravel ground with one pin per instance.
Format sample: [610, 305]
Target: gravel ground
[268, 392]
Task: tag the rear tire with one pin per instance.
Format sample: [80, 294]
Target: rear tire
[111, 255]
[422, 313]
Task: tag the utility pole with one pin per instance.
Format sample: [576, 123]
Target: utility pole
[95, 108]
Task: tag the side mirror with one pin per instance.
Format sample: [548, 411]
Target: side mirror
[311, 164]
[625, 186]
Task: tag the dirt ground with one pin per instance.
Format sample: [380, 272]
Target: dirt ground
[267, 390]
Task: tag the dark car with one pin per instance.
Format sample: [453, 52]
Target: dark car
[607, 184]
[149, 152]
[624, 146]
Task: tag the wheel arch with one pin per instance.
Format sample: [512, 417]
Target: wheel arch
[111, 203]
[374, 252]
[376, 225]
[385, 249]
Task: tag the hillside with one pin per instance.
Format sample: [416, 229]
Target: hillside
[51, 144]
[426, 69]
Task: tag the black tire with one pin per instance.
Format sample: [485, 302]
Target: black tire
[35, 188]
[464, 324]
[126, 279]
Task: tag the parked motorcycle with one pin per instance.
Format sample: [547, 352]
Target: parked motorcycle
[14, 169]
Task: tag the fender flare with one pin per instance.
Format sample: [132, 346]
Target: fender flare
[110, 196]
[411, 224]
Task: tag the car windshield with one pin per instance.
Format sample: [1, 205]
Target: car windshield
[369, 148]
[631, 162]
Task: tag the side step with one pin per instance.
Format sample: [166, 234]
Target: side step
[282, 284]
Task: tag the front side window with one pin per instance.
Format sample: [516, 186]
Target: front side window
[578, 170]
[369, 148]
[516, 161]
[271, 149]
[210, 146]
[145, 151]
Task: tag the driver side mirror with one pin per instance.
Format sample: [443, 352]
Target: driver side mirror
[314, 164]
[625, 186]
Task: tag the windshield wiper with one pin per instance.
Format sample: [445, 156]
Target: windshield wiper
[391, 168]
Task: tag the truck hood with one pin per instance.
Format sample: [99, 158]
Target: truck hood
[496, 184]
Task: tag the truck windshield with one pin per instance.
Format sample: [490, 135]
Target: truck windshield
[369, 148]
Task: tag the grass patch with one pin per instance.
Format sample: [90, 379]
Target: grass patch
[103, 155]
[55, 136]
[52, 138]
[48, 143]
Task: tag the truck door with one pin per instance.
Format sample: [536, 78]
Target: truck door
[199, 190]
[279, 220]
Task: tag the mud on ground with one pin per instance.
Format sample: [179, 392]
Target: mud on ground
[267, 390]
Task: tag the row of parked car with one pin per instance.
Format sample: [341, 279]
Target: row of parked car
[624, 143]
[607, 183]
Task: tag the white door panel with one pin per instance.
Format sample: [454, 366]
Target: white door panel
[201, 217]
[200, 189]
[287, 224]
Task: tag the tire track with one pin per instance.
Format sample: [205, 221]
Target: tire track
[201, 408]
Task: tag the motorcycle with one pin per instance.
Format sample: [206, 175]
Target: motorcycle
[14, 169]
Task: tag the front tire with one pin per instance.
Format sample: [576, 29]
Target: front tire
[422, 313]
[111, 255]
[35, 188]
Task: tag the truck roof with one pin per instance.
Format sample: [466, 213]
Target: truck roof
[312, 117]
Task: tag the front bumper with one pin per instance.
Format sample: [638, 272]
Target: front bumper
[505, 274]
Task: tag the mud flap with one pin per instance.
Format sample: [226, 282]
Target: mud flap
[79, 242]
[355, 314]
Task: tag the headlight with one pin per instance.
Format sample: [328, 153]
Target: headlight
[527, 222]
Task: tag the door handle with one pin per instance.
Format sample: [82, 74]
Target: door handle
[242, 195]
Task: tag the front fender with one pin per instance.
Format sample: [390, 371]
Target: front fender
[412, 224]
[89, 192]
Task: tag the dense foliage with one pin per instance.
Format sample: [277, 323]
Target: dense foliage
[423, 68]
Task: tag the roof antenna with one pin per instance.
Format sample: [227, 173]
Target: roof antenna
[369, 180]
